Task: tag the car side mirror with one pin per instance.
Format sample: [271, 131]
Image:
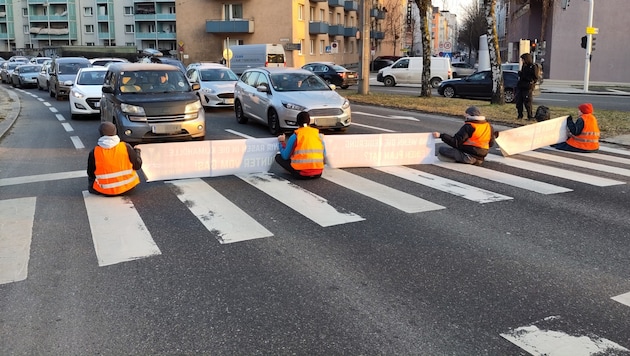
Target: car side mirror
[263, 88]
[107, 89]
[195, 86]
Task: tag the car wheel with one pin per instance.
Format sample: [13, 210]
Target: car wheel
[345, 86]
[389, 81]
[13, 84]
[509, 95]
[435, 82]
[240, 115]
[273, 122]
[449, 92]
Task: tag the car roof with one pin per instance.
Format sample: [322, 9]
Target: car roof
[70, 59]
[93, 69]
[125, 66]
[116, 59]
[209, 65]
[277, 70]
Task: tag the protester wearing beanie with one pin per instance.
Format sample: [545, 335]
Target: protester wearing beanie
[583, 133]
[112, 164]
[471, 143]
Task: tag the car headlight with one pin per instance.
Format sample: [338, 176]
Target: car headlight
[193, 107]
[132, 109]
[292, 106]
[346, 104]
[77, 94]
[207, 90]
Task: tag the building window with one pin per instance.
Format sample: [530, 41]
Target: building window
[89, 43]
[129, 29]
[322, 15]
[102, 10]
[232, 11]
[89, 28]
[25, 11]
[171, 9]
[87, 11]
[25, 29]
[128, 10]
[311, 14]
[301, 51]
[322, 47]
[130, 44]
[300, 12]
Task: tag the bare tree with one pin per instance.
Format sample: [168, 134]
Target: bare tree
[394, 24]
[424, 6]
[473, 26]
[495, 55]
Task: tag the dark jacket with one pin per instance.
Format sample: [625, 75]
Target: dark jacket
[527, 76]
[464, 133]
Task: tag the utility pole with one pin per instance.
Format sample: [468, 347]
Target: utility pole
[589, 45]
[364, 65]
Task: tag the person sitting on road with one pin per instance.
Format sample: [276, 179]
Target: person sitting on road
[304, 153]
[583, 133]
[112, 164]
[471, 143]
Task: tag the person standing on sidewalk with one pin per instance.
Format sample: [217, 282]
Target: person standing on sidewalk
[525, 87]
[583, 133]
[471, 143]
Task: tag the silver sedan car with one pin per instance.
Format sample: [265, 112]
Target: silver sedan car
[217, 84]
[274, 96]
[25, 75]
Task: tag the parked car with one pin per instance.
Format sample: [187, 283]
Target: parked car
[151, 102]
[105, 61]
[7, 70]
[166, 60]
[25, 75]
[333, 73]
[274, 96]
[85, 94]
[217, 84]
[62, 74]
[462, 69]
[20, 59]
[479, 85]
[382, 62]
[408, 70]
[40, 60]
[43, 77]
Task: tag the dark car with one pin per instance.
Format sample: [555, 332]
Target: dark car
[479, 85]
[382, 62]
[172, 61]
[333, 74]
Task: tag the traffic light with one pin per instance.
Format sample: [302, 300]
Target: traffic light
[534, 47]
[592, 43]
[584, 41]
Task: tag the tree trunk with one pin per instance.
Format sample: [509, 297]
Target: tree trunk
[424, 6]
[495, 56]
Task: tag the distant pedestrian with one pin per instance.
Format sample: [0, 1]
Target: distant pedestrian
[583, 133]
[112, 164]
[525, 87]
[303, 154]
[471, 143]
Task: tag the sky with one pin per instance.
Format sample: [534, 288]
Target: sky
[453, 6]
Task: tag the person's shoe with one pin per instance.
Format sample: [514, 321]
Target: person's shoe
[478, 162]
[519, 118]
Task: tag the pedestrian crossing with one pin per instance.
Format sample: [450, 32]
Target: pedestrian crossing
[119, 233]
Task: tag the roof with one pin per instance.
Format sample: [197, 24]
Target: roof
[124, 66]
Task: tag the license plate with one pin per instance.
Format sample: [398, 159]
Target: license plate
[165, 129]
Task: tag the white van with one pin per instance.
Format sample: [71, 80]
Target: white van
[408, 70]
[256, 55]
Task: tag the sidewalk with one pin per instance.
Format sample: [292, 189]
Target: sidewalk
[10, 102]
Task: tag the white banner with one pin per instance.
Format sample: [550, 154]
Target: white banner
[533, 136]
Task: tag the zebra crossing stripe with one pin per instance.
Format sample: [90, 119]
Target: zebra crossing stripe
[118, 232]
[505, 178]
[623, 298]
[554, 171]
[599, 156]
[217, 213]
[17, 216]
[392, 197]
[42, 178]
[579, 163]
[301, 200]
[444, 184]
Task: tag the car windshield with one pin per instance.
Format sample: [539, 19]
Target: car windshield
[297, 82]
[338, 68]
[91, 78]
[217, 75]
[154, 81]
[29, 69]
[72, 68]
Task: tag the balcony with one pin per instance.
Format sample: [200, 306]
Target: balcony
[351, 6]
[381, 14]
[230, 26]
[350, 31]
[336, 3]
[156, 35]
[316, 28]
[155, 17]
[377, 35]
[336, 30]
[374, 12]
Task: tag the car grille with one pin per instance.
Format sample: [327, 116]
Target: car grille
[93, 102]
[226, 95]
[325, 112]
[171, 118]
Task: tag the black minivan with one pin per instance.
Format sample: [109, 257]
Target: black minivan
[150, 102]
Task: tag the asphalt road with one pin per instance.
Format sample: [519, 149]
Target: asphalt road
[494, 267]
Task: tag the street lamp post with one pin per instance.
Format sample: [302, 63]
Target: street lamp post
[589, 46]
[364, 64]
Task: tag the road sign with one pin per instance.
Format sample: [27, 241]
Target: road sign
[592, 30]
[227, 54]
[447, 46]
[334, 47]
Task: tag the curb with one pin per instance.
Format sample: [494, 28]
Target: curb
[14, 103]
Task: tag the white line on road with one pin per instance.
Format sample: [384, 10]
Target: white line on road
[392, 197]
[76, 141]
[395, 117]
[118, 232]
[219, 215]
[600, 156]
[238, 133]
[67, 127]
[301, 200]
[60, 117]
[16, 230]
[53, 109]
[42, 178]
[47, 104]
[622, 298]
[579, 163]
[372, 127]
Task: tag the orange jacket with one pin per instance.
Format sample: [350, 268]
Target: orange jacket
[308, 153]
[482, 135]
[114, 173]
[588, 139]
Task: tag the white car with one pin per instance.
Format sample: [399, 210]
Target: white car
[217, 84]
[85, 94]
[43, 78]
[107, 61]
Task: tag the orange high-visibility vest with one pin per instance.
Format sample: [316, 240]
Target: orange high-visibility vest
[482, 135]
[589, 138]
[309, 149]
[114, 173]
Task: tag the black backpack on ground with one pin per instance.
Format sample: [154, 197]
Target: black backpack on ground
[542, 113]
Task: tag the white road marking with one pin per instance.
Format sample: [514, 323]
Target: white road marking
[372, 127]
[579, 163]
[118, 232]
[614, 150]
[600, 156]
[47, 104]
[53, 109]
[238, 133]
[392, 197]
[505, 178]
[445, 185]
[395, 117]
[553, 171]
[67, 127]
[42, 178]
[217, 213]
[301, 200]
[623, 298]
[60, 117]
[42, 100]
[16, 231]
[76, 141]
